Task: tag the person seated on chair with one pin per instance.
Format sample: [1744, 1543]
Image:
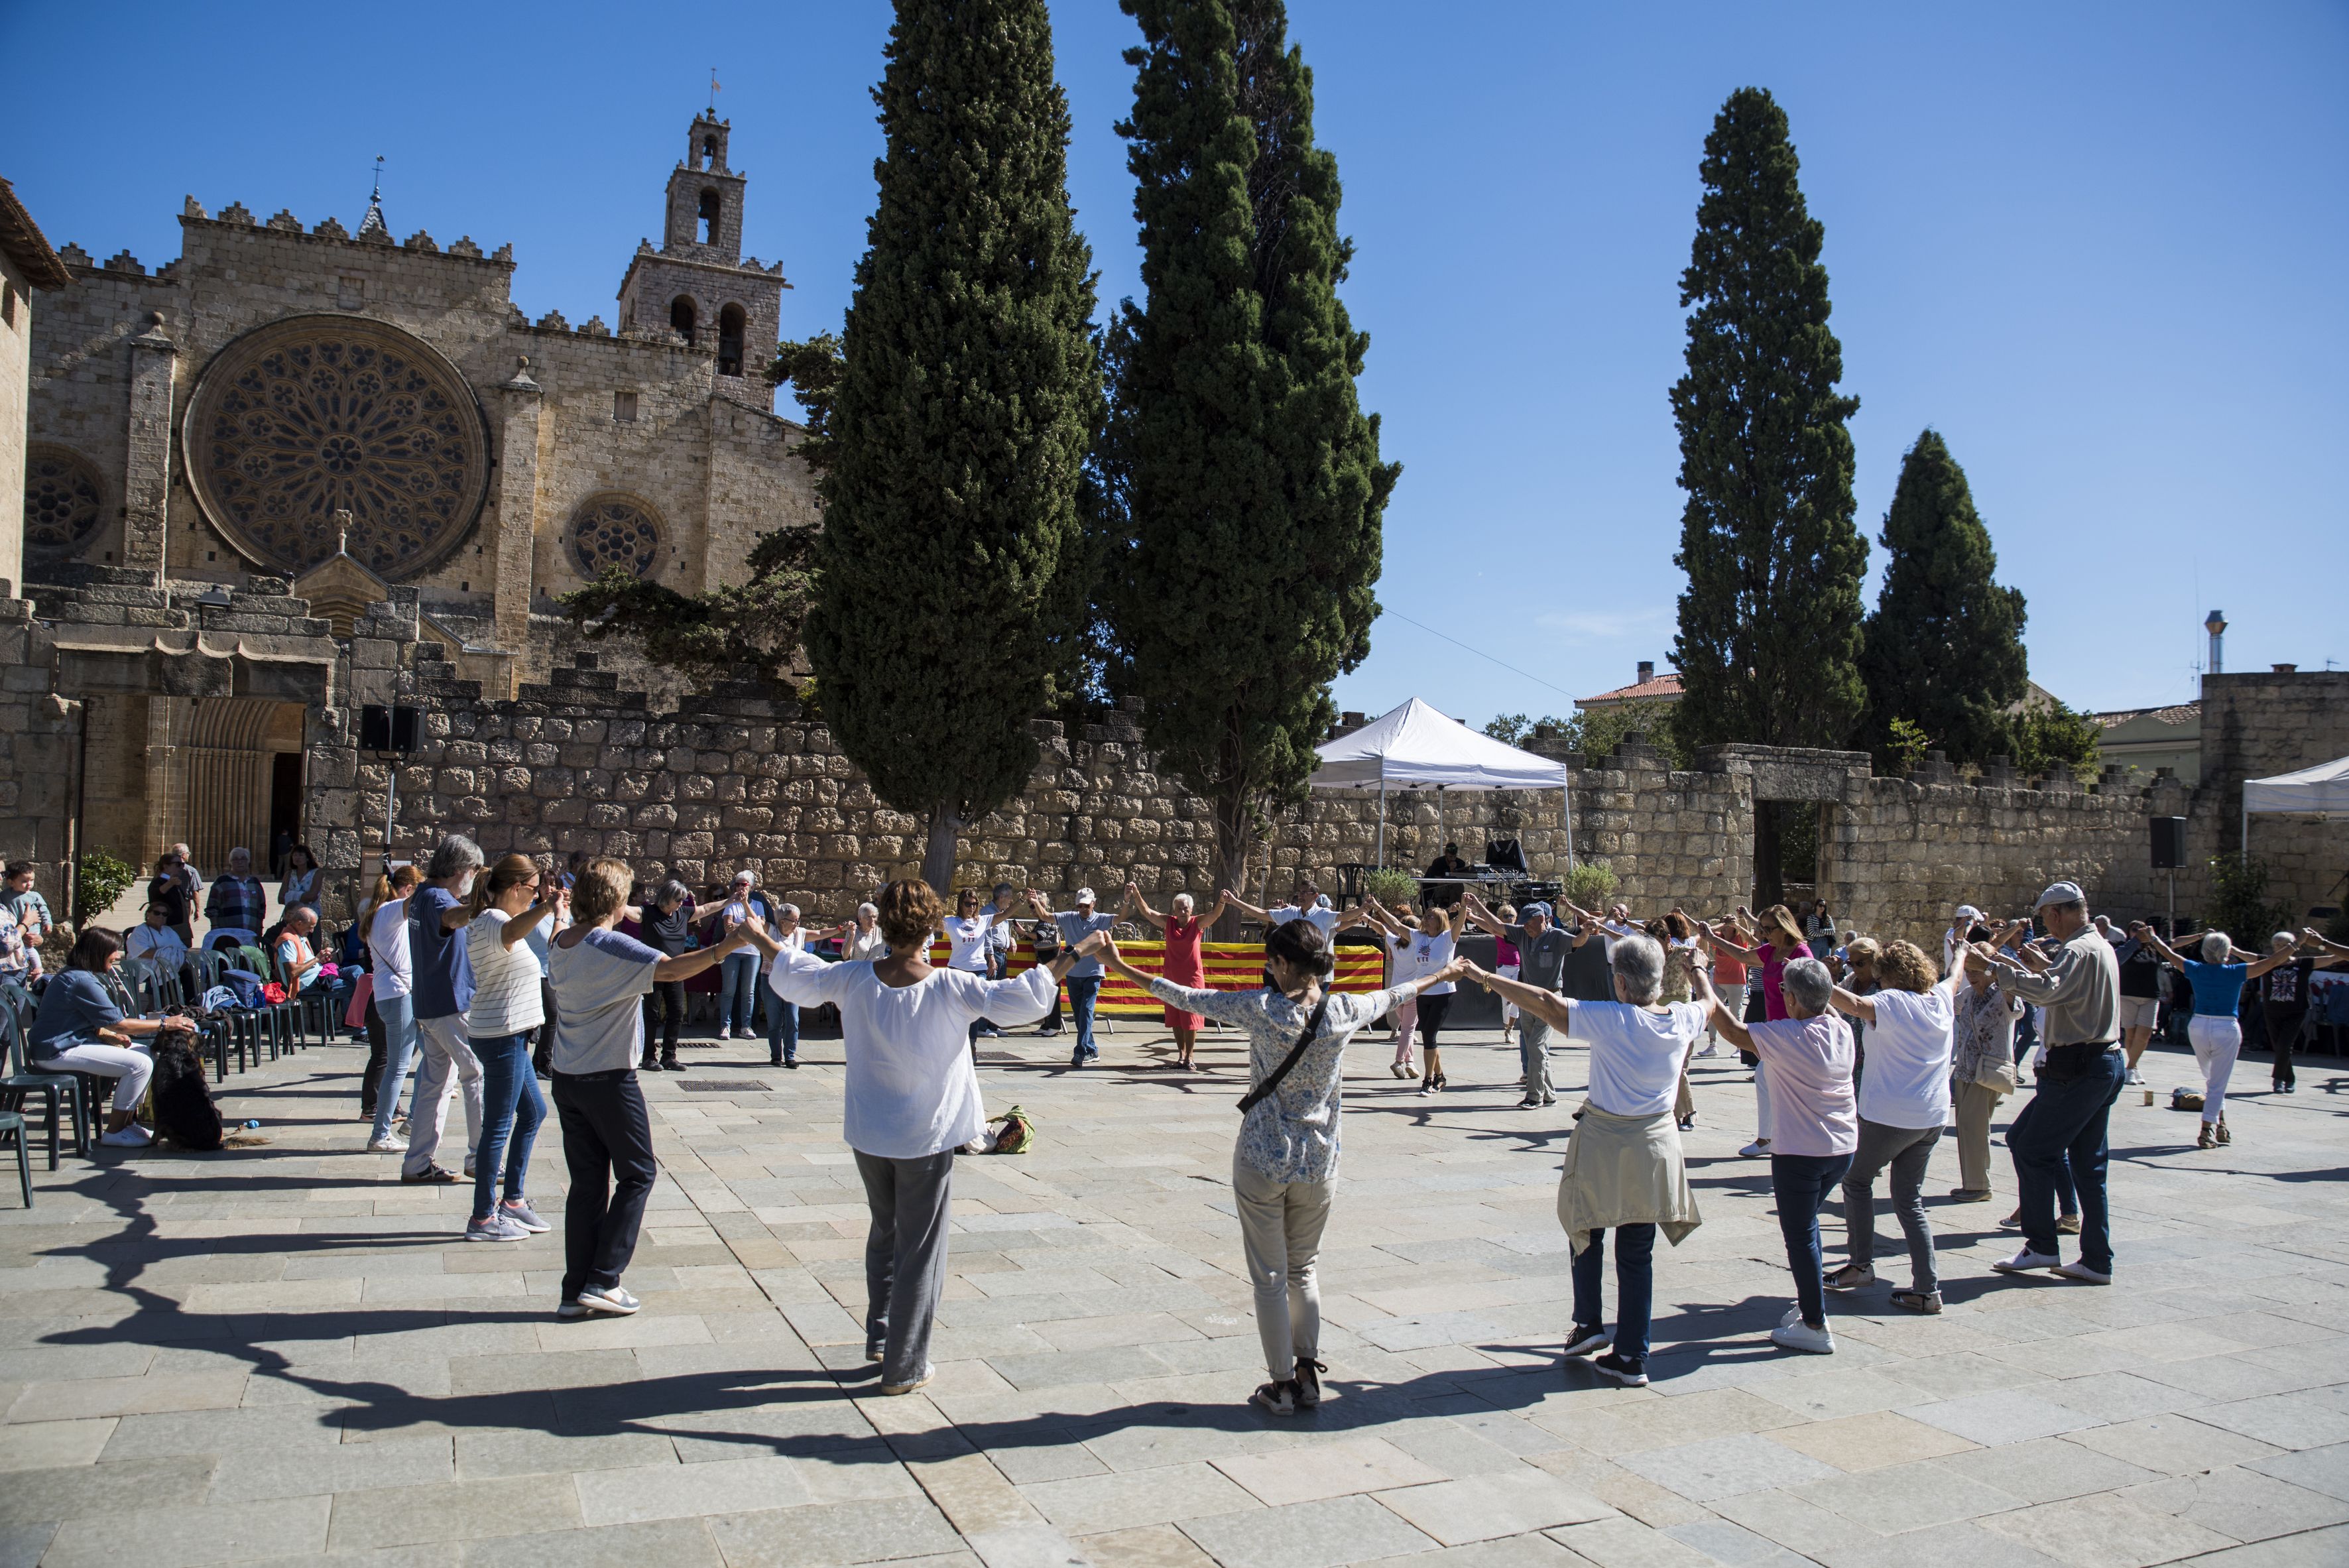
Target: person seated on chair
[157, 942]
[81, 1030]
[296, 959]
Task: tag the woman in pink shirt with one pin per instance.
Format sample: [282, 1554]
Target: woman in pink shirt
[1808, 1055]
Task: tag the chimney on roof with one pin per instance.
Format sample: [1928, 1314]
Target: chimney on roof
[1647, 671]
[2215, 624]
[2287, 669]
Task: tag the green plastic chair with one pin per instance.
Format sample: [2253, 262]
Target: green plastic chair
[58, 1091]
[12, 1123]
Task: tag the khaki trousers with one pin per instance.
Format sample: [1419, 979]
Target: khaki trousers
[1281, 1235]
[1974, 1104]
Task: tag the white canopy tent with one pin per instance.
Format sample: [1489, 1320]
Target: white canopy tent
[2321, 788]
[1416, 748]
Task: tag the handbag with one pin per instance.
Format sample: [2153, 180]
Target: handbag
[1999, 1077]
[1296, 1052]
[355, 1015]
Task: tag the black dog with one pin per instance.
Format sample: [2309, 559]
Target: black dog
[184, 1111]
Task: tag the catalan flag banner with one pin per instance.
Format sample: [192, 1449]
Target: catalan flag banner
[1231, 966]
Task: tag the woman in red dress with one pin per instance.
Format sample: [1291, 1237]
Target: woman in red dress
[1183, 932]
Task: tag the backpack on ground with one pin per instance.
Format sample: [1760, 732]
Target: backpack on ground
[1019, 1132]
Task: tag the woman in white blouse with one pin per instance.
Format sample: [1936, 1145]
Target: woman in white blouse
[1287, 1155]
[911, 1100]
[509, 900]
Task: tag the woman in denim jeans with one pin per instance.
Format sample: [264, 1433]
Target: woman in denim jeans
[507, 1010]
[384, 925]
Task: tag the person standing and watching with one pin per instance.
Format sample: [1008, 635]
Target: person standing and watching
[1543, 950]
[912, 1099]
[1285, 1161]
[601, 980]
[237, 901]
[1623, 1166]
[1085, 975]
[509, 901]
[2216, 1037]
[22, 903]
[299, 886]
[179, 906]
[1184, 933]
[1809, 1057]
[2064, 1125]
[384, 927]
[443, 991]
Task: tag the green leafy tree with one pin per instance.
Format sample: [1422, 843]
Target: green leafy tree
[1241, 479]
[1905, 745]
[2045, 738]
[749, 631]
[2239, 905]
[1770, 624]
[99, 881]
[1599, 732]
[1943, 649]
[968, 393]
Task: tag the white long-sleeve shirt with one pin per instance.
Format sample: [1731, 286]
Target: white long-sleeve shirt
[912, 1089]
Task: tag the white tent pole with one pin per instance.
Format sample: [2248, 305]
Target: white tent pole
[1382, 819]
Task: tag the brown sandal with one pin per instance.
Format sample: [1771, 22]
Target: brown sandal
[1926, 1302]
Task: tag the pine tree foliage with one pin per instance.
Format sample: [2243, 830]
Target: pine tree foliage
[970, 393]
[1770, 624]
[1944, 646]
[1241, 480]
[747, 631]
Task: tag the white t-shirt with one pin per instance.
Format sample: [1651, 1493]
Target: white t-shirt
[387, 941]
[970, 941]
[1907, 1083]
[162, 945]
[1326, 919]
[1635, 1054]
[1424, 954]
[864, 946]
[505, 980]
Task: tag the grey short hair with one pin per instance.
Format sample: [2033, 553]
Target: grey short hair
[1185, 899]
[1807, 985]
[2282, 939]
[869, 908]
[672, 891]
[2216, 947]
[746, 875]
[1639, 964]
[452, 855]
[790, 909]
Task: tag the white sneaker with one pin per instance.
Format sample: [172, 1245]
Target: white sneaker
[2136, 1076]
[725, 1032]
[1757, 1149]
[1710, 1050]
[2081, 1273]
[613, 1299]
[1800, 1335]
[387, 1144]
[2025, 1261]
[131, 1136]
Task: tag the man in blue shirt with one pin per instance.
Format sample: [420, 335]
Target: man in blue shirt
[443, 991]
[1085, 979]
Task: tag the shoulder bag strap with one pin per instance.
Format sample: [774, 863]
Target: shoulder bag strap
[1272, 1079]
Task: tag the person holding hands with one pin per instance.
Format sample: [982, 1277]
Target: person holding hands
[1185, 963]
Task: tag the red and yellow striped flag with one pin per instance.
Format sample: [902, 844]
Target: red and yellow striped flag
[1231, 966]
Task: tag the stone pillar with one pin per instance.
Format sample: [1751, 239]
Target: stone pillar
[147, 476]
[517, 542]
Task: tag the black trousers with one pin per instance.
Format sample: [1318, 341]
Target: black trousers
[541, 1055]
[608, 1144]
[665, 1011]
[377, 1049]
[2283, 1032]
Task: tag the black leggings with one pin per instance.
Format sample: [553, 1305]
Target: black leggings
[1432, 1009]
[664, 1010]
[2283, 1032]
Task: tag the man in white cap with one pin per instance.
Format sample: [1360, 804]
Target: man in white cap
[2078, 992]
[1085, 979]
[1953, 941]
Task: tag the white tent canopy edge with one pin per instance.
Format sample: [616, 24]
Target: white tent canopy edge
[2321, 788]
[1415, 746]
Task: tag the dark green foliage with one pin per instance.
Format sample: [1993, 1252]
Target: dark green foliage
[750, 632]
[99, 881]
[2044, 740]
[970, 393]
[1769, 627]
[2239, 905]
[1240, 480]
[1944, 647]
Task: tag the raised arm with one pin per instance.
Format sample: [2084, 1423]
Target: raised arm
[685, 965]
[1482, 916]
[1725, 1023]
[1547, 1005]
[1714, 941]
[523, 924]
[1378, 915]
[1228, 897]
[2152, 938]
[2311, 937]
[1140, 906]
[1852, 1007]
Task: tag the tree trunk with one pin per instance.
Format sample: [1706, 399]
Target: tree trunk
[1235, 842]
[1769, 876]
[938, 852]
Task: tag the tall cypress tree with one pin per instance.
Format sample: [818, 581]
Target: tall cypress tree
[1244, 481]
[970, 392]
[1770, 625]
[1944, 646]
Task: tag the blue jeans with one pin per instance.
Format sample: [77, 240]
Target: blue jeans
[737, 990]
[2064, 1124]
[399, 1015]
[1635, 1285]
[511, 1109]
[782, 1029]
[1801, 1183]
[1083, 991]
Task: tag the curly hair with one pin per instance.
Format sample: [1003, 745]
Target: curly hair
[600, 890]
[910, 912]
[1905, 967]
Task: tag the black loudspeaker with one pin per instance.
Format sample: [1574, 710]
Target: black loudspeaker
[387, 728]
[2169, 843]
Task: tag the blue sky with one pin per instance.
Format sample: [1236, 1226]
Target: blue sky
[2100, 247]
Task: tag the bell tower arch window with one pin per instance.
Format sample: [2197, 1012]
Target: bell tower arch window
[730, 340]
[681, 315]
[710, 206]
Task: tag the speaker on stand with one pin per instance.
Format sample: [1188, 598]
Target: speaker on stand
[2169, 855]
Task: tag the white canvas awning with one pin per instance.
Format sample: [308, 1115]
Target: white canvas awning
[1416, 748]
[2323, 788]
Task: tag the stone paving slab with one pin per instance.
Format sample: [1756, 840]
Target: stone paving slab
[284, 1356]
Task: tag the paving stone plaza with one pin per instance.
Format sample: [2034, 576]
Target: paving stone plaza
[282, 1354]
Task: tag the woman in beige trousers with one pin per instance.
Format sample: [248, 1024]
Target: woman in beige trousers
[1981, 1071]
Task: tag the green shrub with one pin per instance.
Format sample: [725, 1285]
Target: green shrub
[99, 881]
[1590, 884]
[2239, 905]
[1390, 886]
